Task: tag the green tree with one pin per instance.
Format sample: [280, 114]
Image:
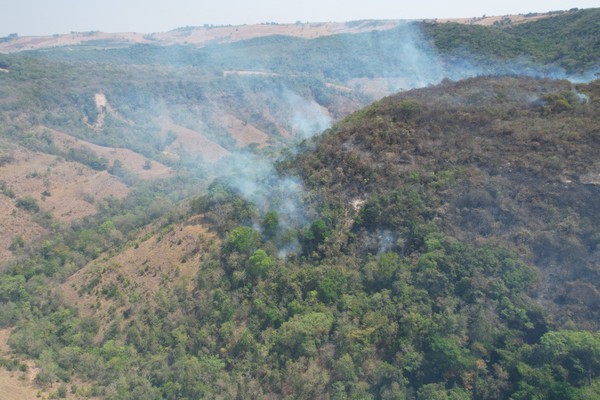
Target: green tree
[303, 334]
[243, 240]
[259, 264]
[270, 224]
[577, 351]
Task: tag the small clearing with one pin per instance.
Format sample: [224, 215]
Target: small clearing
[132, 161]
[243, 133]
[103, 109]
[100, 100]
[191, 142]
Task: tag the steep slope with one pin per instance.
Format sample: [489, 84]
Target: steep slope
[506, 161]
[568, 40]
[447, 247]
[441, 243]
[136, 276]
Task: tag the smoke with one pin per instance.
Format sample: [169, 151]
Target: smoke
[387, 240]
[404, 57]
[420, 64]
[407, 59]
[308, 118]
[296, 98]
[257, 181]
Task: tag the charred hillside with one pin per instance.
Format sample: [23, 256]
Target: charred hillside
[504, 161]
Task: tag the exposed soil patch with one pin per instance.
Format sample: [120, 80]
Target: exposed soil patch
[132, 161]
[16, 385]
[67, 189]
[243, 133]
[100, 100]
[192, 142]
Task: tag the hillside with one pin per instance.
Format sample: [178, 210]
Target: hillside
[509, 162]
[568, 40]
[207, 35]
[448, 244]
[241, 220]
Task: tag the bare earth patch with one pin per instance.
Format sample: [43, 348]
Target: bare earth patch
[192, 142]
[131, 160]
[243, 133]
[65, 188]
[16, 385]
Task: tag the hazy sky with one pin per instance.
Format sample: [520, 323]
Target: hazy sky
[45, 17]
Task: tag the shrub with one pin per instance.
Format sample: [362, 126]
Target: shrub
[28, 203]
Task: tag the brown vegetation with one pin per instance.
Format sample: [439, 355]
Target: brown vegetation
[131, 160]
[133, 276]
[192, 142]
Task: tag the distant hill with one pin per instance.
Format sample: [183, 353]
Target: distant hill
[568, 40]
[210, 35]
[196, 36]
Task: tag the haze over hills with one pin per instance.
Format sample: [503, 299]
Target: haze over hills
[221, 212]
[207, 35]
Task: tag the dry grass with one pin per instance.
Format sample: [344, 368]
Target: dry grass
[15, 222]
[243, 133]
[160, 260]
[64, 188]
[192, 142]
[16, 385]
[198, 36]
[491, 20]
[68, 184]
[131, 160]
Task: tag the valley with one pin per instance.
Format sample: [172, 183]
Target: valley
[371, 209]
